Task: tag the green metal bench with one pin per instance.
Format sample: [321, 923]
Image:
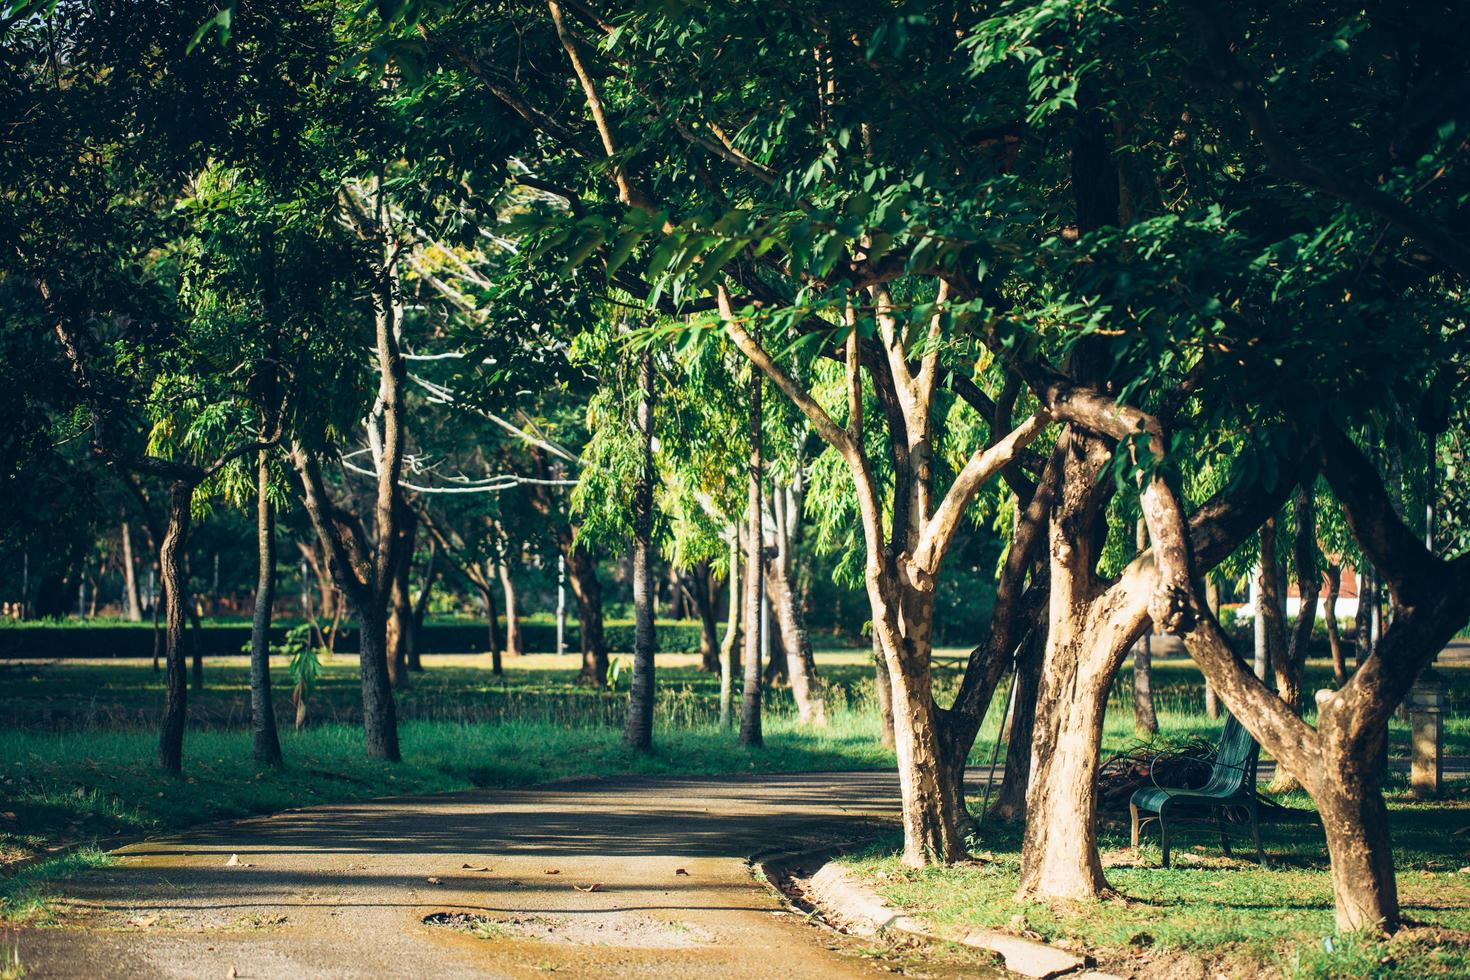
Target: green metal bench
[1231, 786]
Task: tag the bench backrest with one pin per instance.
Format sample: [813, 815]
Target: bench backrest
[1235, 761]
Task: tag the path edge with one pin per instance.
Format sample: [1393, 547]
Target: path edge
[836, 900]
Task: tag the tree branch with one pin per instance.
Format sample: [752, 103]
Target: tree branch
[982, 465]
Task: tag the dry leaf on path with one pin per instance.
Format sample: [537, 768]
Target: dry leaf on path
[681, 871]
[233, 861]
[468, 867]
[594, 887]
[433, 881]
[552, 871]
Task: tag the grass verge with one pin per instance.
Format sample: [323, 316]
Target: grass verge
[1212, 915]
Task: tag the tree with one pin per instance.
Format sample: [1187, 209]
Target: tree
[638, 732]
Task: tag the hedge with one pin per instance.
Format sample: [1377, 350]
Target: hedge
[80, 641]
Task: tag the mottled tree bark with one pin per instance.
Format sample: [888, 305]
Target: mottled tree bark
[801, 667]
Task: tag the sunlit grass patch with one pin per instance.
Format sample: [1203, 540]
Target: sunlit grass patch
[1277, 919]
[23, 895]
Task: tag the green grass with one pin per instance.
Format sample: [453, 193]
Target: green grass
[11, 968]
[1209, 909]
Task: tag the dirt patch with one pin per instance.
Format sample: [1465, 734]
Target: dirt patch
[624, 929]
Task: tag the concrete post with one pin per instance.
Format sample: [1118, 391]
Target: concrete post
[1426, 698]
[1426, 733]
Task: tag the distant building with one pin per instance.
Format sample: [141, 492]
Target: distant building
[1347, 598]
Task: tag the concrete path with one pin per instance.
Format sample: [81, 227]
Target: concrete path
[628, 877]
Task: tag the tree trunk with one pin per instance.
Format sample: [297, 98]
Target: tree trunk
[931, 811]
[1355, 820]
[638, 730]
[750, 699]
[1145, 720]
[885, 694]
[1087, 638]
[514, 646]
[1212, 600]
[400, 617]
[1334, 637]
[420, 609]
[806, 687]
[1363, 622]
[266, 743]
[379, 716]
[1010, 799]
[697, 592]
[196, 649]
[582, 574]
[1059, 858]
[158, 634]
[1272, 597]
[1293, 659]
[732, 633]
[176, 690]
[492, 629]
[130, 577]
[776, 673]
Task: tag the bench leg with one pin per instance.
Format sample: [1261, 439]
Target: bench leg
[1133, 811]
[1224, 837]
[1256, 836]
[1164, 836]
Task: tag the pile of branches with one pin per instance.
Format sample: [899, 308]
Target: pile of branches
[1177, 763]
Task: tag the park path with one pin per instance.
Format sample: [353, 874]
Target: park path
[343, 891]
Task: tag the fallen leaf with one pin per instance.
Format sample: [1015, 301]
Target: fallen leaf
[144, 921]
[472, 868]
[681, 871]
[433, 881]
[232, 974]
[594, 887]
[233, 862]
[552, 871]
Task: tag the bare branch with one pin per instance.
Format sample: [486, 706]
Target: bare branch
[984, 464]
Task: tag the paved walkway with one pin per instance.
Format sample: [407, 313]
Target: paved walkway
[628, 877]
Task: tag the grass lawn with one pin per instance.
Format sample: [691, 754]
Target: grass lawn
[1210, 915]
[77, 774]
